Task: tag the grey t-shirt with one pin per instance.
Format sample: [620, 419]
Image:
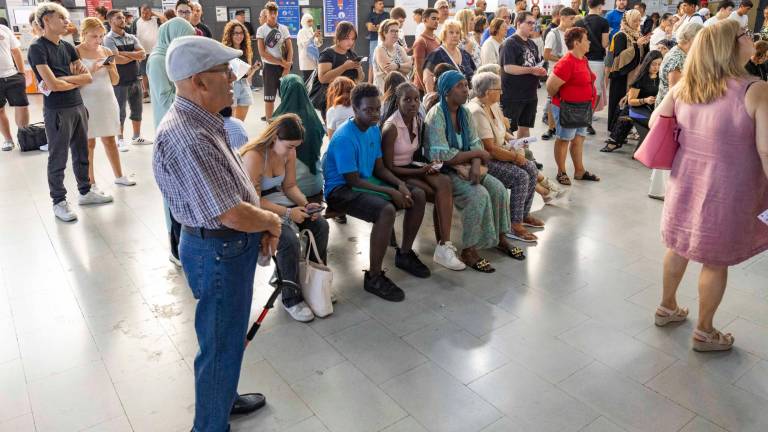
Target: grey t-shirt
[274, 38]
[129, 72]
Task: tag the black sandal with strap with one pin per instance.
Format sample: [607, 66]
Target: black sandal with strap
[512, 252]
[483, 266]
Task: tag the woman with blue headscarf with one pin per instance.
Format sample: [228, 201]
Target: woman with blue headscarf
[482, 199]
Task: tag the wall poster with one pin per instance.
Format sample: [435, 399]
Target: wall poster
[335, 11]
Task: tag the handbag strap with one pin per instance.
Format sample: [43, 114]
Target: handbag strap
[312, 246]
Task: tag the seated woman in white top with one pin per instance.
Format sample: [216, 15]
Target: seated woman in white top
[339, 104]
[270, 161]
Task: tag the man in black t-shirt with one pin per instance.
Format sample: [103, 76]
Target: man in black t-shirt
[197, 19]
[598, 30]
[521, 68]
[60, 73]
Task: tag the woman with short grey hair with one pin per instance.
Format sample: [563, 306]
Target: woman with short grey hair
[492, 67]
[506, 164]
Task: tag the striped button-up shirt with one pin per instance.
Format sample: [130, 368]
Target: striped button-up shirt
[198, 173]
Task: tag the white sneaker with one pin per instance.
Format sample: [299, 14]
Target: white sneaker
[445, 255]
[7, 146]
[142, 141]
[63, 212]
[122, 145]
[174, 260]
[124, 181]
[44, 147]
[94, 196]
[300, 312]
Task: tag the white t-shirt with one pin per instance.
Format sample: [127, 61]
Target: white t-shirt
[147, 32]
[274, 38]
[420, 29]
[657, 36]
[8, 42]
[742, 19]
[551, 43]
[337, 115]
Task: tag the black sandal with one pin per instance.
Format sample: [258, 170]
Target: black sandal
[608, 149]
[588, 176]
[483, 266]
[563, 179]
[512, 252]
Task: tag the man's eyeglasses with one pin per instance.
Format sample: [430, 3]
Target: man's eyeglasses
[221, 69]
[530, 22]
[183, 12]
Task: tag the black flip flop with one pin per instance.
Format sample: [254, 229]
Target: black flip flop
[588, 176]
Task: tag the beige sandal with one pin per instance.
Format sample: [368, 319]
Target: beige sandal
[715, 341]
[664, 316]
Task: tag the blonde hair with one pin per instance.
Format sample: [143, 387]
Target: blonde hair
[450, 24]
[287, 126]
[47, 9]
[385, 25]
[712, 60]
[466, 18]
[90, 24]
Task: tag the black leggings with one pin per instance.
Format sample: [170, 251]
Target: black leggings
[617, 90]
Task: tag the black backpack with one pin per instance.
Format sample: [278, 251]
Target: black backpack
[32, 137]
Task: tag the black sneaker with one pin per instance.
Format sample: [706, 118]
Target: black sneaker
[410, 262]
[591, 130]
[539, 166]
[548, 135]
[383, 287]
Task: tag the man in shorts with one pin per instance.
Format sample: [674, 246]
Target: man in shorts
[358, 184]
[13, 85]
[521, 69]
[276, 53]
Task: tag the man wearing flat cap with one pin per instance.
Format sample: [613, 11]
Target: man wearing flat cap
[223, 228]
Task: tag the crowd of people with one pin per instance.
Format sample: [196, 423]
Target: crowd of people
[446, 120]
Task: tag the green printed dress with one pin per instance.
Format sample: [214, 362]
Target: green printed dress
[485, 206]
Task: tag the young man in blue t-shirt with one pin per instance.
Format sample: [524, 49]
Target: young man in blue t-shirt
[614, 18]
[358, 184]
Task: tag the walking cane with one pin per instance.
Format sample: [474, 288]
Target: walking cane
[270, 304]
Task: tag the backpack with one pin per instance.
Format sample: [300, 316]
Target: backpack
[32, 137]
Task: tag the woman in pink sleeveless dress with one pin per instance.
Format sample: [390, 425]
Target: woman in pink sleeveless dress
[719, 179]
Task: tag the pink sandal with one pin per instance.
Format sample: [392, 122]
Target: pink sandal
[715, 341]
[665, 316]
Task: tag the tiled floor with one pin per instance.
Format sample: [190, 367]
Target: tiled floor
[96, 326]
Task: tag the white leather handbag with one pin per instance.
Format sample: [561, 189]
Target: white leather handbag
[316, 280]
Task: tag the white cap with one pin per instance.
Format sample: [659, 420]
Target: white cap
[189, 55]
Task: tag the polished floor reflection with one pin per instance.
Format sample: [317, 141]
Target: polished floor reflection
[96, 326]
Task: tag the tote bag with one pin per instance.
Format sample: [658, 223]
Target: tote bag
[660, 145]
[316, 279]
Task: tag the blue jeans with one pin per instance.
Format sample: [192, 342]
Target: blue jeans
[220, 273]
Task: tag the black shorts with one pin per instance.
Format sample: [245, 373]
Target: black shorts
[520, 113]
[360, 205]
[272, 74]
[13, 90]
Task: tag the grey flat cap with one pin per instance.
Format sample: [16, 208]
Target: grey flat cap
[189, 55]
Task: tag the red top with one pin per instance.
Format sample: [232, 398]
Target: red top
[579, 80]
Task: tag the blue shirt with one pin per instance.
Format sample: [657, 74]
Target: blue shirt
[350, 150]
[487, 33]
[614, 20]
[236, 132]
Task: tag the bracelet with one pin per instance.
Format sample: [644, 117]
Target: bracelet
[287, 213]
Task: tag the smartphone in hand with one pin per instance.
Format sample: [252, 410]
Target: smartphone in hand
[108, 60]
[313, 210]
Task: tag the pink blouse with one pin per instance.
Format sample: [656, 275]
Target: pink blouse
[404, 147]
